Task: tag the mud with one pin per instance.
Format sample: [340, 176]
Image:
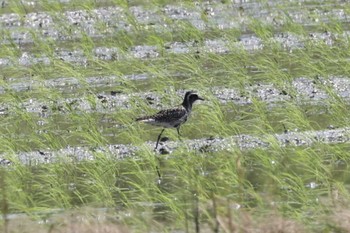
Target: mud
[239, 142]
[305, 91]
[107, 21]
[102, 22]
[248, 42]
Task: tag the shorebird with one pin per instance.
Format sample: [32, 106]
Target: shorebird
[173, 117]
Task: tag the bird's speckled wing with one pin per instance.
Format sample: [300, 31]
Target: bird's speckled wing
[170, 115]
[167, 118]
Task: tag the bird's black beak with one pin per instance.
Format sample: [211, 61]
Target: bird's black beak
[200, 98]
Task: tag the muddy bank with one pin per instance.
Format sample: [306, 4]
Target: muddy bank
[303, 91]
[214, 15]
[238, 142]
[248, 42]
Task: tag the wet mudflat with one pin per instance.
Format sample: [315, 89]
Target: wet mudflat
[272, 134]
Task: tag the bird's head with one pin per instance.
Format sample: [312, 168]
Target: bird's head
[190, 98]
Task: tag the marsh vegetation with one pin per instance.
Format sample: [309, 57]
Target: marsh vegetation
[268, 150]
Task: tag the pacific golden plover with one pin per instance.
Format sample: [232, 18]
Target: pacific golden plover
[173, 117]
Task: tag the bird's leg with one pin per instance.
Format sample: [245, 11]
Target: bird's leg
[158, 171]
[178, 132]
[157, 167]
[158, 139]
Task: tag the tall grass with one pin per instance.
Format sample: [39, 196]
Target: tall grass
[229, 190]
